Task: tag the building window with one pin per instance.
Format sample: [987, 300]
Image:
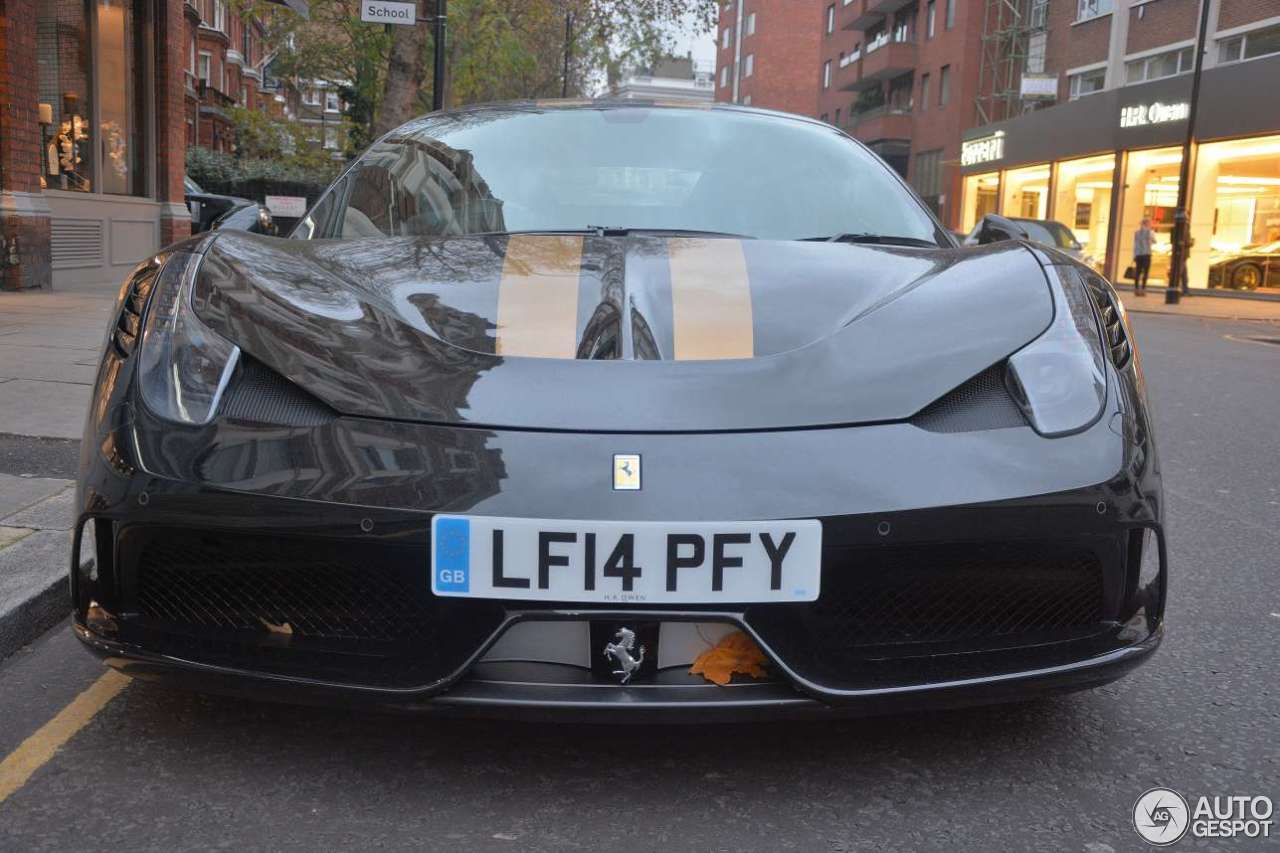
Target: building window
[726, 38]
[1250, 45]
[1087, 82]
[311, 96]
[65, 86]
[951, 14]
[944, 85]
[926, 177]
[924, 92]
[930, 18]
[331, 102]
[1158, 66]
[1036, 44]
[831, 19]
[746, 100]
[901, 90]
[205, 66]
[1086, 9]
[826, 74]
[904, 25]
[877, 37]
[751, 24]
[191, 57]
[724, 76]
[749, 67]
[220, 15]
[331, 138]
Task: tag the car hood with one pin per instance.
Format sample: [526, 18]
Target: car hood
[622, 333]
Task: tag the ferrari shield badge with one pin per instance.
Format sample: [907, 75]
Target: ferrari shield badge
[626, 472]
[623, 654]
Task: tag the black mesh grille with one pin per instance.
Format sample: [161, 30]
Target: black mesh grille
[314, 608]
[979, 404]
[937, 600]
[260, 395]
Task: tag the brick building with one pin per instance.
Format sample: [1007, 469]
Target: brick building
[95, 119]
[901, 77]
[766, 53]
[224, 67]
[1081, 112]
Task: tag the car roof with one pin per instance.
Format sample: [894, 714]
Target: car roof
[612, 103]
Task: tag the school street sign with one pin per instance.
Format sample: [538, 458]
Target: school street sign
[388, 12]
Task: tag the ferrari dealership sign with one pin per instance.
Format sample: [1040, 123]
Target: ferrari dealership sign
[984, 149]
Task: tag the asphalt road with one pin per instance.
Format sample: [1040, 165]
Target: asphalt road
[159, 770]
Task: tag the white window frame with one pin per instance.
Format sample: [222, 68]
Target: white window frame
[1242, 34]
[949, 17]
[930, 18]
[751, 24]
[220, 15]
[726, 38]
[826, 74]
[831, 18]
[1076, 75]
[749, 65]
[1160, 53]
[1087, 10]
[204, 67]
[331, 102]
[724, 76]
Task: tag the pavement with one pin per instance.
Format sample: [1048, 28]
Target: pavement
[102, 763]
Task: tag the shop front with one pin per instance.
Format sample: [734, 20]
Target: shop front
[94, 67]
[1102, 165]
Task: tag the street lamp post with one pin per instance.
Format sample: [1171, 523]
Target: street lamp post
[1178, 260]
[437, 83]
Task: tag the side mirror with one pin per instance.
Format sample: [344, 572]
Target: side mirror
[995, 228]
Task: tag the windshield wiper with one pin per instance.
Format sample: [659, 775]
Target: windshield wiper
[879, 239]
[623, 231]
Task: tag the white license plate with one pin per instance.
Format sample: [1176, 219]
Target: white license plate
[609, 562]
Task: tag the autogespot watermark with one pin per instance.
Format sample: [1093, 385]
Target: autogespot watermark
[1162, 816]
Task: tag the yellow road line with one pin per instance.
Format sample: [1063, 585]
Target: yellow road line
[538, 297]
[35, 751]
[710, 299]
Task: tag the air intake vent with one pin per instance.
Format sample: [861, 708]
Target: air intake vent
[1112, 325]
[260, 395]
[129, 324]
[981, 403]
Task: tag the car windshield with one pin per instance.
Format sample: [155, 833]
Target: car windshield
[1050, 233]
[648, 168]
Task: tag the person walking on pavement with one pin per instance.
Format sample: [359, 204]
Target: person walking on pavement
[1142, 240]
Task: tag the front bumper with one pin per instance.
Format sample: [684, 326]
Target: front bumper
[1055, 547]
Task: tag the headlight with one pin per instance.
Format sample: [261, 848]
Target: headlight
[183, 365]
[1060, 379]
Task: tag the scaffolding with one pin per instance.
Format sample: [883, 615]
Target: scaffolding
[1011, 77]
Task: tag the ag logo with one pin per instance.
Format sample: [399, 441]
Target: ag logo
[1161, 816]
[626, 472]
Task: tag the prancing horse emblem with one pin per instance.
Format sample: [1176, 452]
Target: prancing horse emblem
[621, 652]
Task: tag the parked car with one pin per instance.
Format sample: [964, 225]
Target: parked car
[250, 216]
[1047, 232]
[1250, 268]
[207, 207]
[368, 464]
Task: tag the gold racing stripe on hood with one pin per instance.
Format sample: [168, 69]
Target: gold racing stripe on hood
[538, 297]
[710, 299]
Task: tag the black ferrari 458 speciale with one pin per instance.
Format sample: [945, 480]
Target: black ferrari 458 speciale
[659, 409]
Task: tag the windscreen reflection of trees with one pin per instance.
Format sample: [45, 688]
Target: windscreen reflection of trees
[631, 168]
